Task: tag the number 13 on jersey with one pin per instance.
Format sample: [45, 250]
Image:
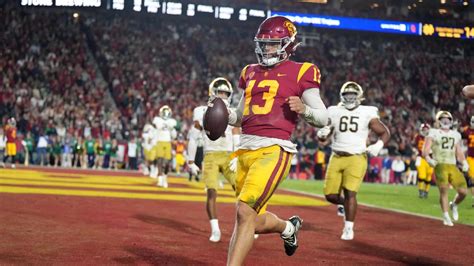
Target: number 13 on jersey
[268, 97]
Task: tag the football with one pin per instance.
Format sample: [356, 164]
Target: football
[215, 119]
[468, 91]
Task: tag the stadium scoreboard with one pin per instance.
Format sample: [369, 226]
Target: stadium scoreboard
[195, 8]
[174, 8]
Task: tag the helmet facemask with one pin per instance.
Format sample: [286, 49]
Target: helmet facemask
[271, 51]
[350, 100]
[445, 122]
[165, 112]
[424, 130]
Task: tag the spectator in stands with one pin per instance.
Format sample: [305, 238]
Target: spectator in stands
[398, 168]
[132, 153]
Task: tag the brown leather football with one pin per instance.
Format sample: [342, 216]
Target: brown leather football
[215, 119]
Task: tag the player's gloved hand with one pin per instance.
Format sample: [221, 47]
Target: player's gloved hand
[233, 165]
[418, 161]
[432, 162]
[194, 168]
[375, 148]
[323, 133]
[465, 166]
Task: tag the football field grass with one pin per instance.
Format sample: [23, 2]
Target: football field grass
[395, 197]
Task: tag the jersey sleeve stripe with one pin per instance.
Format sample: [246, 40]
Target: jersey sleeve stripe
[242, 74]
[303, 70]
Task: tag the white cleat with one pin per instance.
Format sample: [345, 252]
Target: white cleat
[215, 236]
[160, 181]
[454, 209]
[146, 171]
[447, 221]
[347, 234]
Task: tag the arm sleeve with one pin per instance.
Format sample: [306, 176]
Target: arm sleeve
[235, 115]
[192, 143]
[315, 113]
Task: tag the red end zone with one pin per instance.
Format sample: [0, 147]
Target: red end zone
[65, 229]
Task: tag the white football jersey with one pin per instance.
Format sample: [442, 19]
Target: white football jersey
[165, 128]
[351, 127]
[444, 145]
[224, 143]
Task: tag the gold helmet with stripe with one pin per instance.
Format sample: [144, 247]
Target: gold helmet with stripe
[444, 119]
[351, 95]
[220, 84]
[165, 112]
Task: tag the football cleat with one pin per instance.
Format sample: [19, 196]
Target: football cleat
[447, 221]
[347, 234]
[215, 236]
[340, 210]
[454, 209]
[291, 243]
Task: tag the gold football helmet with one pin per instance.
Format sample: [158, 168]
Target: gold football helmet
[220, 84]
[165, 112]
[444, 119]
[351, 95]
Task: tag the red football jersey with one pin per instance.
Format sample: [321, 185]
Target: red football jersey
[11, 134]
[266, 112]
[419, 142]
[468, 134]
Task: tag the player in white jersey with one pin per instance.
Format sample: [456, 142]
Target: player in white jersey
[149, 142]
[217, 154]
[445, 145]
[349, 124]
[166, 133]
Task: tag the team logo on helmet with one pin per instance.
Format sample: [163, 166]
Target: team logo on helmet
[290, 27]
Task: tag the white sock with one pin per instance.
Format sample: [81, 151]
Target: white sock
[454, 205]
[214, 225]
[348, 225]
[289, 230]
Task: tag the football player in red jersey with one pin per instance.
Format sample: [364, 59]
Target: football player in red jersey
[277, 91]
[468, 134]
[425, 171]
[10, 132]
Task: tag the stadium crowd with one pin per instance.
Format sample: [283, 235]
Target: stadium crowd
[53, 85]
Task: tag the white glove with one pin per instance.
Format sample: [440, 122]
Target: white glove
[233, 165]
[194, 169]
[323, 133]
[375, 148]
[465, 166]
[432, 162]
[418, 161]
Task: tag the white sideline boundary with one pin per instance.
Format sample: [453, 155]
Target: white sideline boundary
[373, 206]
